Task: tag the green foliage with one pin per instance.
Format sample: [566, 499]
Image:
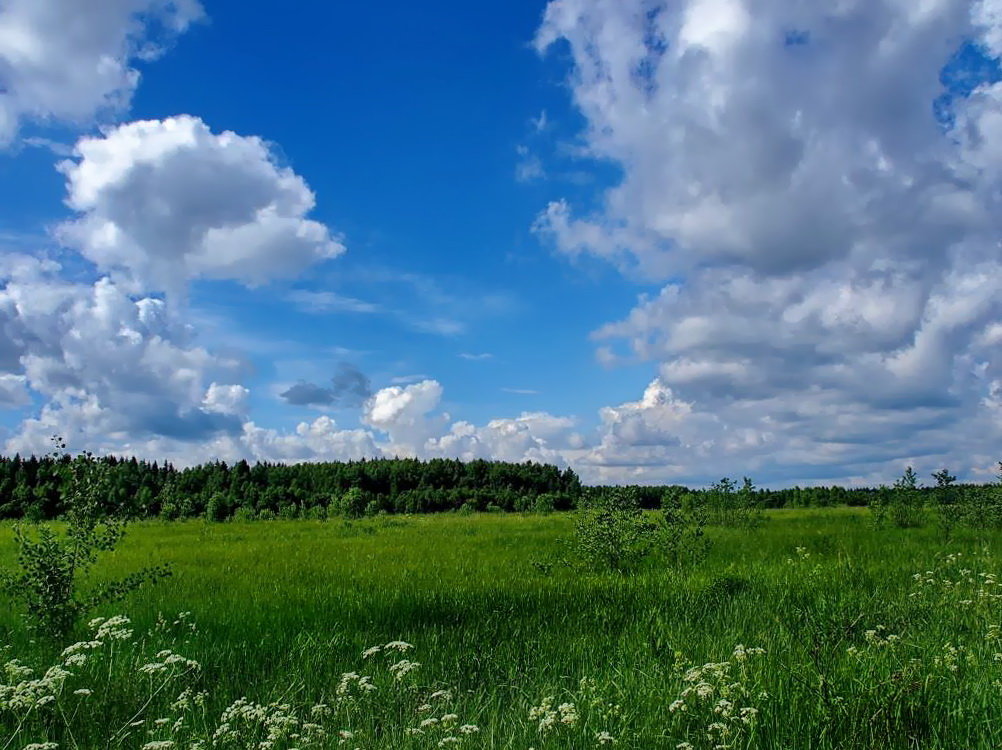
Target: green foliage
[51, 566]
[351, 504]
[726, 505]
[216, 509]
[616, 534]
[682, 530]
[903, 505]
[613, 534]
[545, 503]
[244, 515]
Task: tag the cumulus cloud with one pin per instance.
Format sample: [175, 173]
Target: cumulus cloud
[404, 414]
[13, 390]
[162, 202]
[69, 61]
[108, 365]
[226, 399]
[828, 214]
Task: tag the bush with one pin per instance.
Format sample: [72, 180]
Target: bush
[215, 509]
[244, 514]
[545, 503]
[316, 513]
[351, 504]
[613, 534]
[903, 505]
[726, 505]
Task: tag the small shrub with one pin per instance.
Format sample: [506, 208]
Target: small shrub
[902, 505]
[316, 513]
[545, 503]
[51, 565]
[244, 514]
[613, 534]
[215, 509]
[351, 504]
[726, 505]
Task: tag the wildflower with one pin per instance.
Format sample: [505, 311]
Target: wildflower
[469, 729]
[568, 713]
[112, 629]
[371, 651]
[401, 646]
[604, 738]
[159, 745]
[42, 746]
[403, 668]
[83, 692]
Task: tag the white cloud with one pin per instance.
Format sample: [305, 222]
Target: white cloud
[320, 440]
[326, 301]
[226, 399]
[69, 61]
[13, 390]
[478, 357]
[109, 366]
[166, 201]
[402, 412]
[833, 246]
[535, 436]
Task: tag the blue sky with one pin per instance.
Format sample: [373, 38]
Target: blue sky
[406, 124]
[652, 243]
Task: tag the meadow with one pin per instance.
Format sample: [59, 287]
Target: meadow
[816, 630]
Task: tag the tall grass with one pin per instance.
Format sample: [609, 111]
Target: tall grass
[858, 652]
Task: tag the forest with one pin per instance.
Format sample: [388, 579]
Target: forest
[33, 488]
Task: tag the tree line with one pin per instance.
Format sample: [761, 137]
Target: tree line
[34, 488]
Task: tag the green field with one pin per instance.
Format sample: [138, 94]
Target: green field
[284, 609]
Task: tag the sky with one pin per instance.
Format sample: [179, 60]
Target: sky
[656, 241]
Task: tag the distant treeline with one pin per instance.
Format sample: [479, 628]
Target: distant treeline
[33, 488]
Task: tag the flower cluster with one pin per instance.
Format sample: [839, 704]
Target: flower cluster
[716, 702]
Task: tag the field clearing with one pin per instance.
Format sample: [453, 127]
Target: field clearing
[284, 609]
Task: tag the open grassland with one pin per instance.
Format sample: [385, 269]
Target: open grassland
[859, 651]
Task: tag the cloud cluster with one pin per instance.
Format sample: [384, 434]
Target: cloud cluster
[162, 202]
[69, 61]
[349, 387]
[827, 213]
[111, 368]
